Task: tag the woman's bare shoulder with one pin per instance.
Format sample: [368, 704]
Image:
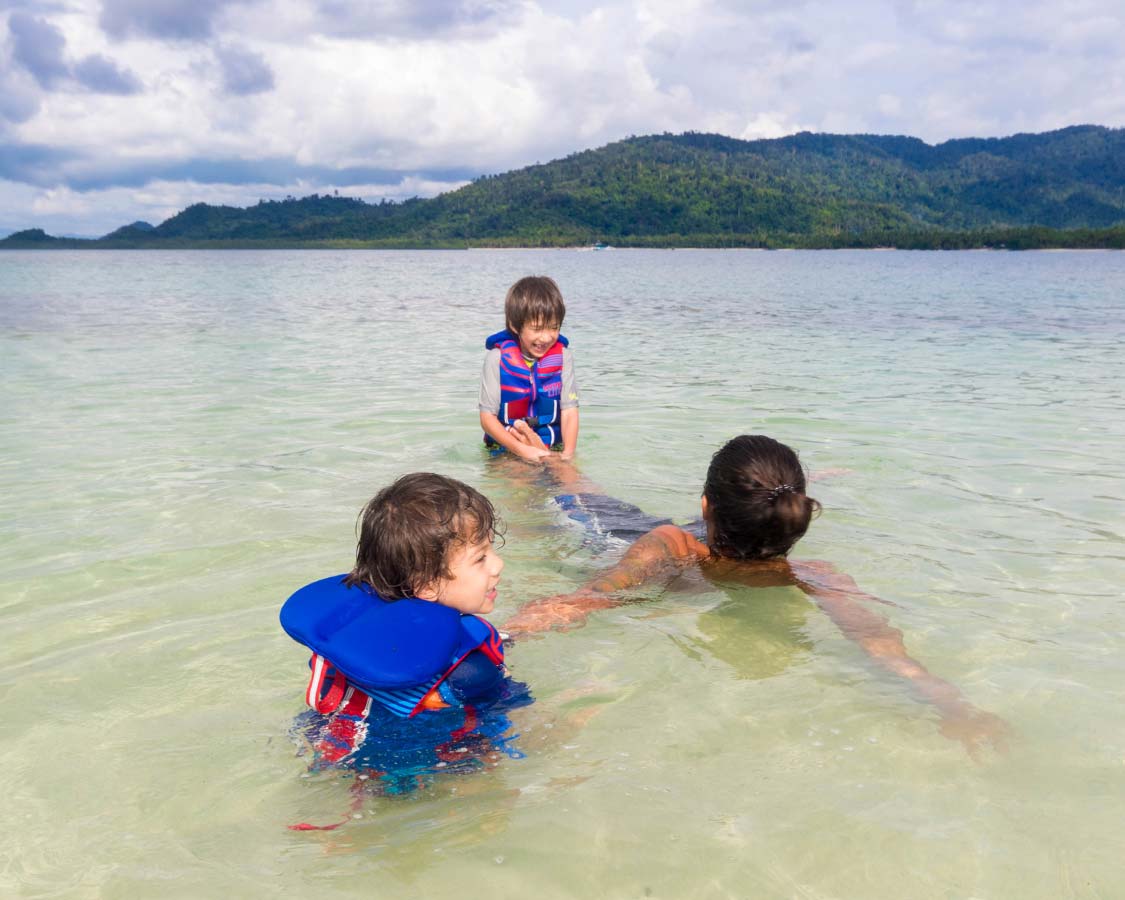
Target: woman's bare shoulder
[677, 542]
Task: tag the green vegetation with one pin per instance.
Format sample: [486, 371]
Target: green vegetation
[1060, 189]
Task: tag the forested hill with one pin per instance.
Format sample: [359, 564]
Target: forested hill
[708, 190]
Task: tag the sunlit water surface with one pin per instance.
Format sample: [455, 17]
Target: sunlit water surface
[187, 437]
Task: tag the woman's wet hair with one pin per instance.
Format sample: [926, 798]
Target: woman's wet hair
[407, 532]
[756, 503]
[534, 300]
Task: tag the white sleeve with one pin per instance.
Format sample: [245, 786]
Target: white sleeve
[489, 400]
[569, 396]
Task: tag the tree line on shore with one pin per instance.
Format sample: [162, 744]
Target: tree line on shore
[1059, 189]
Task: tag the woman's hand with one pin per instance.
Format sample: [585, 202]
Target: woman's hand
[531, 454]
[976, 729]
[559, 613]
[528, 443]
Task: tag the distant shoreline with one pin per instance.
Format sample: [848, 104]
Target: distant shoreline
[1023, 239]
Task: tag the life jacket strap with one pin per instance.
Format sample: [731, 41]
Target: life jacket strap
[319, 672]
[492, 647]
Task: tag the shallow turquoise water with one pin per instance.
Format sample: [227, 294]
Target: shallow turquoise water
[188, 437]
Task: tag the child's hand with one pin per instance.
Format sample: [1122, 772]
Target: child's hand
[526, 434]
[529, 445]
[976, 729]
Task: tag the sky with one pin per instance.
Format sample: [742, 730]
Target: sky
[117, 110]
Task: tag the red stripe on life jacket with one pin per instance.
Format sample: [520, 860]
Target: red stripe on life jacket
[493, 647]
[319, 668]
[345, 730]
[522, 387]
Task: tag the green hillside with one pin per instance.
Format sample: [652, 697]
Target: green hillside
[1061, 188]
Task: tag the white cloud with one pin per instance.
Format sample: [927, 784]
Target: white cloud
[889, 104]
[766, 125]
[315, 86]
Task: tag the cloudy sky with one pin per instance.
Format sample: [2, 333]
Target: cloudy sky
[117, 110]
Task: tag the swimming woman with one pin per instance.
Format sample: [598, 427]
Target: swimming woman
[754, 510]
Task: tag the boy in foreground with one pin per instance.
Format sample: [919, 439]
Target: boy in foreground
[404, 666]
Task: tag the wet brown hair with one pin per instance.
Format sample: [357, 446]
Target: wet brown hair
[533, 299]
[408, 530]
[756, 503]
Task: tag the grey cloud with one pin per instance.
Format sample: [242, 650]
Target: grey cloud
[18, 101]
[414, 18]
[44, 166]
[42, 7]
[752, 9]
[244, 72]
[276, 170]
[35, 164]
[102, 75]
[1000, 25]
[172, 19]
[39, 47]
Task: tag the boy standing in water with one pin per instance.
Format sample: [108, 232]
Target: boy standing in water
[528, 394]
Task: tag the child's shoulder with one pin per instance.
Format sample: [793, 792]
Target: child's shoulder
[493, 341]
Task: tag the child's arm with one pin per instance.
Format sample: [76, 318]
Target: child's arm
[653, 556]
[569, 432]
[489, 405]
[569, 413]
[838, 595]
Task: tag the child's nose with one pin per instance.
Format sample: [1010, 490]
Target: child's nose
[498, 564]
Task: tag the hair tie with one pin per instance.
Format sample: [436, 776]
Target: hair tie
[781, 489]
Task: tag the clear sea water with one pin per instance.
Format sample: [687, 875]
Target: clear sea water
[187, 437]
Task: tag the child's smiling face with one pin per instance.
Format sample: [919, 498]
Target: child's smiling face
[474, 573]
[536, 338]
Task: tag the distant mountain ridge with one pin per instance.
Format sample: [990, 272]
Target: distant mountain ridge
[709, 190]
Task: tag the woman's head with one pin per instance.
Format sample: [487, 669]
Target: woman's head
[756, 506]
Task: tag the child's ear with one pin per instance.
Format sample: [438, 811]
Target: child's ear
[429, 592]
[703, 506]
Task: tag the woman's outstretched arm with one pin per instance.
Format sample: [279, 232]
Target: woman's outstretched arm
[839, 596]
[656, 556]
[665, 551]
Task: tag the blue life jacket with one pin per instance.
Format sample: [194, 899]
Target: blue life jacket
[531, 393]
[395, 652]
